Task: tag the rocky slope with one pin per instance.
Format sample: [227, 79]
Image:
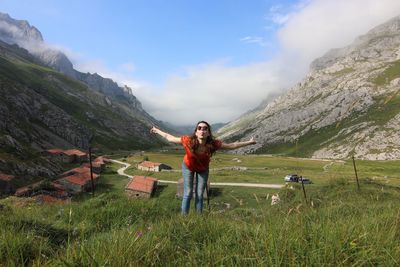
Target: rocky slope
[348, 104]
[20, 32]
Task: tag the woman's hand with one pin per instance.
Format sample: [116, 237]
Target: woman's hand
[252, 141]
[153, 130]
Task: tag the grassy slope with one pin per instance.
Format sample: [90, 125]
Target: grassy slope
[342, 227]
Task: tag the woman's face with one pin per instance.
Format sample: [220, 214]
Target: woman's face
[202, 131]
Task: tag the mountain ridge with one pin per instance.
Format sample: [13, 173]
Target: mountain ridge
[341, 95]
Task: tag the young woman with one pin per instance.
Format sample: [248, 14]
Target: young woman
[199, 147]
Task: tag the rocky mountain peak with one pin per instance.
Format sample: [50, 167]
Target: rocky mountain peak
[20, 31]
[348, 104]
[379, 35]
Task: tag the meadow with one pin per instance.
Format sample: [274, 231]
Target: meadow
[337, 225]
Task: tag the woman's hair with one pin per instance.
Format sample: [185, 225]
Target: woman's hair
[194, 143]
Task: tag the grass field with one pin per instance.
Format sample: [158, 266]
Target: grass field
[337, 226]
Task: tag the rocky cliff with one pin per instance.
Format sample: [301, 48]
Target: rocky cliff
[348, 104]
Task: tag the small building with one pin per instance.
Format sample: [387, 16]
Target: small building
[78, 179]
[79, 170]
[141, 187]
[179, 188]
[96, 167]
[27, 191]
[6, 185]
[67, 156]
[78, 183]
[77, 155]
[59, 154]
[152, 166]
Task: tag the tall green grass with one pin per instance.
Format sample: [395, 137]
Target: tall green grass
[340, 226]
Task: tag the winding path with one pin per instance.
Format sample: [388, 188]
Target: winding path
[121, 171]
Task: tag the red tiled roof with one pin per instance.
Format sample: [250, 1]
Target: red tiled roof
[86, 175]
[149, 164]
[78, 170]
[99, 159]
[6, 177]
[22, 191]
[58, 186]
[94, 164]
[142, 184]
[77, 179]
[76, 152]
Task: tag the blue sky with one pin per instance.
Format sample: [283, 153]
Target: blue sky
[193, 60]
[156, 37]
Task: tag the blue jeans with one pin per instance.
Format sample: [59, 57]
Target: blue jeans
[201, 181]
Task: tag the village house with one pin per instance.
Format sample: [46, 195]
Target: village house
[152, 166]
[98, 164]
[59, 154]
[77, 155]
[27, 191]
[78, 179]
[141, 187]
[67, 156]
[78, 183]
[6, 185]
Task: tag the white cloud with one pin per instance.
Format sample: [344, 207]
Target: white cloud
[320, 25]
[254, 40]
[212, 92]
[128, 67]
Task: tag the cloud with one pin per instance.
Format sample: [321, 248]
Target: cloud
[254, 40]
[128, 67]
[320, 25]
[214, 92]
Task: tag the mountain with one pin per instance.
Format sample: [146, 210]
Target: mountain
[45, 103]
[19, 32]
[347, 105]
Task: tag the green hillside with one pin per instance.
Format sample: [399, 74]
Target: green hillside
[112, 127]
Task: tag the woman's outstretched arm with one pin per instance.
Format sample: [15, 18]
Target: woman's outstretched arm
[169, 137]
[238, 144]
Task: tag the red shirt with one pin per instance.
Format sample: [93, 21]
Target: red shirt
[197, 162]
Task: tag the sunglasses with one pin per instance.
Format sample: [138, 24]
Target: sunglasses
[204, 128]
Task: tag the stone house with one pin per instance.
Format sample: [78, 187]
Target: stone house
[98, 164]
[77, 155]
[27, 191]
[78, 179]
[152, 166]
[68, 156]
[141, 187]
[59, 154]
[78, 183]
